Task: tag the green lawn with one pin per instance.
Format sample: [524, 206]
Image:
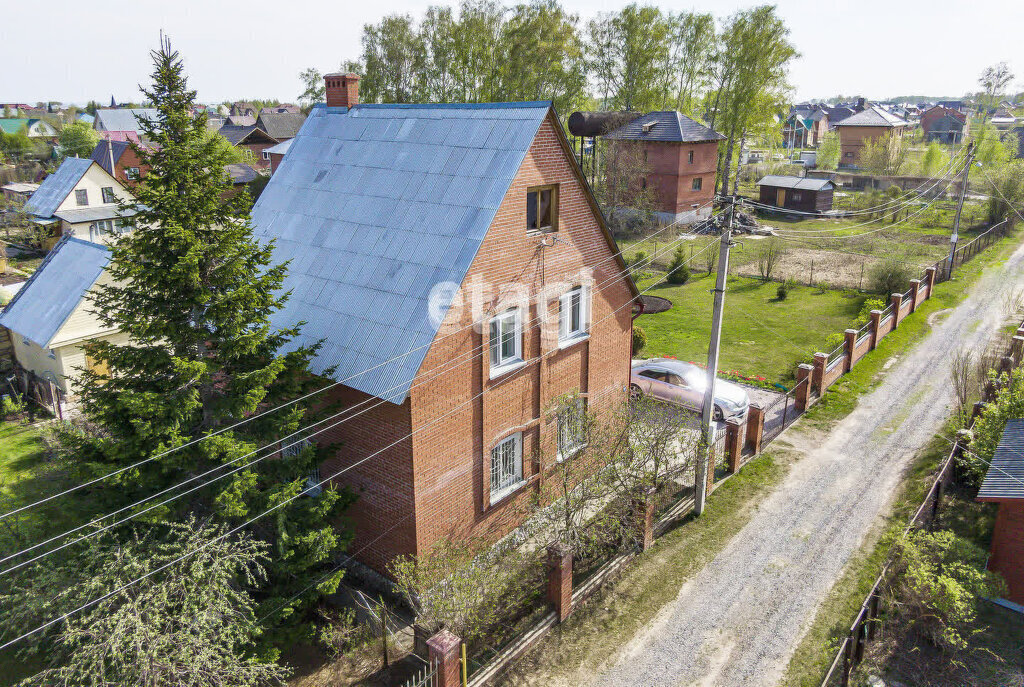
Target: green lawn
[760, 334]
[21, 452]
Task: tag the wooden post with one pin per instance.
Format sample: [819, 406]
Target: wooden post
[560, 579]
[733, 443]
[755, 427]
[444, 653]
[876, 320]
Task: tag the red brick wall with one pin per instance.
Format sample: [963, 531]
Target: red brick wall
[1008, 547]
[129, 159]
[852, 139]
[672, 173]
[452, 457]
[257, 151]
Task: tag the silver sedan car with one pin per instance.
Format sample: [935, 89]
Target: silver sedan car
[682, 383]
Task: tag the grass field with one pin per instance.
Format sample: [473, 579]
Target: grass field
[761, 335]
[21, 452]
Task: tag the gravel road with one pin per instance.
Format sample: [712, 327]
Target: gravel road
[738, 621]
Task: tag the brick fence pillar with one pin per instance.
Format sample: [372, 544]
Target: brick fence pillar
[803, 387]
[643, 513]
[755, 427]
[733, 443]
[560, 579]
[876, 319]
[818, 375]
[444, 653]
[929, 277]
[915, 286]
[897, 303]
[849, 341]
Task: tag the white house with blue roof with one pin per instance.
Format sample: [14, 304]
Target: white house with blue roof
[50, 317]
[458, 273]
[80, 199]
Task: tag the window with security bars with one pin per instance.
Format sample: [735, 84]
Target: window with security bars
[572, 435]
[506, 466]
[82, 196]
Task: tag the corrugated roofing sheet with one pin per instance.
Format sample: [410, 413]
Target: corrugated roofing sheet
[1005, 476]
[47, 299]
[101, 153]
[873, 116]
[123, 119]
[56, 187]
[669, 126]
[802, 183]
[374, 207]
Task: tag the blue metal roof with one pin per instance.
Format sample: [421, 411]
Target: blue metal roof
[376, 205]
[56, 187]
[44, 303]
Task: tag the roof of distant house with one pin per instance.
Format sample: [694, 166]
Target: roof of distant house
[56, 187]
[799, 183]
[1005, 476]
[13, 125]
[240, 120]
[20, 187]
[667, 126]
[838, 113]
[126, 119]
[281, 148]
[374, 207]
[101, 154]
[241, 134]
[873, 116]
[281, 108]
[44, 303]
[241, 173]
[85, 117]
[281, 125]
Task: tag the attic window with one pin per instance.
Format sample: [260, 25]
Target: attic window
[542, 208]
[82, 196]
[108, 194]
[690, 157]
[131, 173]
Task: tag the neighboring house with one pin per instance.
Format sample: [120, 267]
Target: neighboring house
[80, 199]
[50, 317]
[85, 117]
[279, 109]
[281, 125]
[819, 126]
[797, 193]
[241, 176]
[958, 105]
[119, 160]
[251, 138]
[277, 153]
[838, 114]
[244, 109]
[796, 131]
[37, 128]
[240, 120]
[123, 120]
[944, 125]
[868, 126]
[19, 191]
[682, 156]
[407, 228]
[1002, 120]
[1004, 485]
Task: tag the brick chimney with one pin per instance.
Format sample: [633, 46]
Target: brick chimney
[342, 89]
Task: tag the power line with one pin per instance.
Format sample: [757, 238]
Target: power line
[281, 504]
[221, 430]
[304, 432]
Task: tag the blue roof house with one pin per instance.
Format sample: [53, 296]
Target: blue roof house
[460, 277]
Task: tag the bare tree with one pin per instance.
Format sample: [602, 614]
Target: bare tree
[768, 258]
[661, 447]
[964, 380]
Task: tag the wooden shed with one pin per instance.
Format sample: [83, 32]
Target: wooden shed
[1004, 484]
[797, 193]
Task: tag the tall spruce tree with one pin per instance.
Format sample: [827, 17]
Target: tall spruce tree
[193, 291]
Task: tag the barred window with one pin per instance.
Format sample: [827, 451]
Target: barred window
[572, 428]
[506, 466]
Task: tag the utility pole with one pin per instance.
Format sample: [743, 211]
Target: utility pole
[707, 410]
[955, 236]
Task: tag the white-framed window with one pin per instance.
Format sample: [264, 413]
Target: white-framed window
[131, 173]
[293, 447]
[506, 341]
[506, 466]
[573, 314]
[82, 196]
[572, 431]
[108, 194]
[266, 155]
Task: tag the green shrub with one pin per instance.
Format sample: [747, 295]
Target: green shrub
[639, 339]
[782, 291]
[890, 276]
[870, 304]
[678, 272]
[988, 430]
[11, 406]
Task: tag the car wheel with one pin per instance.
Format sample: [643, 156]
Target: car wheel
[717, 415]
[635, 392]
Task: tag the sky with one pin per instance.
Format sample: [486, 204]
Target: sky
[75, 51]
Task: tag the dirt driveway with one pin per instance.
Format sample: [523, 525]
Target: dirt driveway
[737, 621]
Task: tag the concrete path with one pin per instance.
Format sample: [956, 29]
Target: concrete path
[738, 621]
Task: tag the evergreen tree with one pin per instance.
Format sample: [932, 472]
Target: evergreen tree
[194, 292]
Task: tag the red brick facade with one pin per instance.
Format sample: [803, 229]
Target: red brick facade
[436, 484]
[1008, 547]
[673, 169]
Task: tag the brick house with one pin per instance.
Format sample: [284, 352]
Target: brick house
[867, 126]
[944, 124]
[682, 162]
[126, 168]
[1004, 485]
[460, 274]
[253, 139]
